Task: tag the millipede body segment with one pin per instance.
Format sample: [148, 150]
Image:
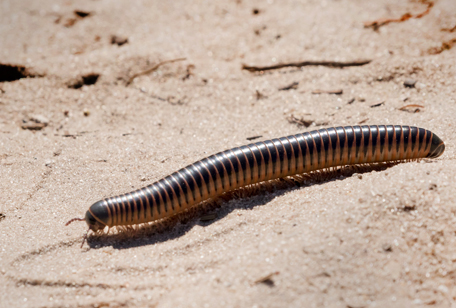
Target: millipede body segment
[263, 161]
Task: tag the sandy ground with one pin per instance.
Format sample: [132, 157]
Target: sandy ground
[376, 239]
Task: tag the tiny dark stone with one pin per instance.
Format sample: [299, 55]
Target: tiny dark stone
[409, 208]
[81, 14]
[255, 11]
[387, 248]
[88, 79]
[118, 40]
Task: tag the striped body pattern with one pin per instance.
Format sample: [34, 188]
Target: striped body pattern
[263, 161]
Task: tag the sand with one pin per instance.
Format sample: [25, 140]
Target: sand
[372, 238]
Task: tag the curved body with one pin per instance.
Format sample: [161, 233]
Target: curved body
[263, 161]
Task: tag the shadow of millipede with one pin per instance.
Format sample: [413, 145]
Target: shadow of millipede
[259, 194]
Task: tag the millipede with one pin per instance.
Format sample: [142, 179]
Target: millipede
[260, 162]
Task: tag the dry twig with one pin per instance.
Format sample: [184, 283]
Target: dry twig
[407, 108]
[376, 24]
[449, 29]
[305, 63]
[337, 91]
[154, 68]
[447, 45]
[292, 86]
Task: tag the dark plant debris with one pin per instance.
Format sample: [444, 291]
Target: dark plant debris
[85, 80]
[82, 14]
[177, 101]
[254, 137]
[189, 73]
[351, 101]
[153, 68]
[376, 24]
[447, 45]
[2, 216]
[408, 208]
[336, 91]
[10, 72]
[363, 121]
[292, 86]
[448, 29]
[412, 108]
[70, 22]
[299, 121]
[335, 64]
[260, 95]
[267, 280]
[118, 40]
[377, 105]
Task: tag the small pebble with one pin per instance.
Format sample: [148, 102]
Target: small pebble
[37, 118]
[86, 112]
[409, 83]
[387, 247]
[443, 289]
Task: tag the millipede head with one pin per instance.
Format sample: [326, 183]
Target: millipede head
[96, 217]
